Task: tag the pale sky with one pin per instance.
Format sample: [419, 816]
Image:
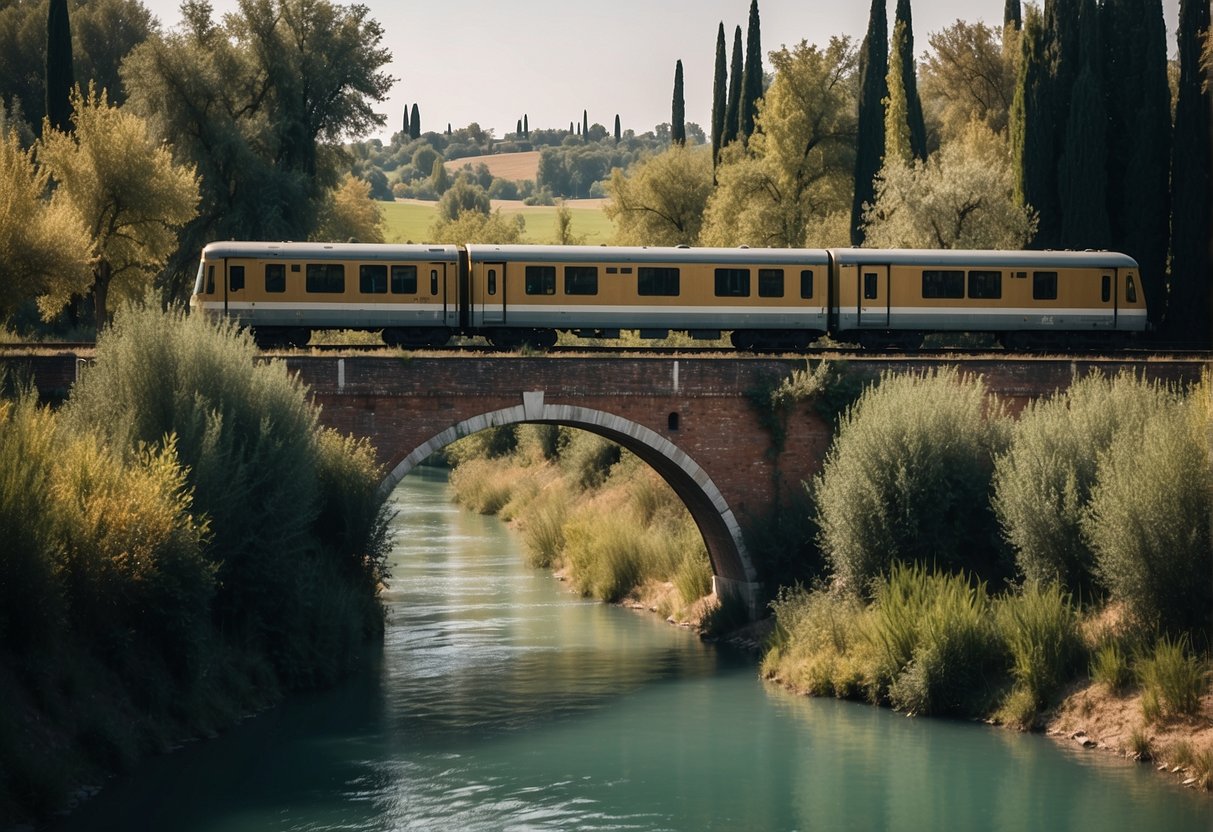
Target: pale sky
[491, 61]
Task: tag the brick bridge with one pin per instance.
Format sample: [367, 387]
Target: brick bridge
[694, 420]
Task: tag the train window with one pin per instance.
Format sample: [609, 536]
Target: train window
[541, 280]
[210, 280]
[625, 269]
[1020, 275]
[806, 283]
[1130, 290]
[275, 277]
[656, 280]
[372, 279]
[732, 283]
[581, 280]
[986, 285]
[433, 281]
[404, 280]
[941, 283]
[235, 278]
[612, 270]
[294, 267]
[1044, 285]
[770, 283]
[326, 278]
[871, 288]
[492, 282]
[1105, 288]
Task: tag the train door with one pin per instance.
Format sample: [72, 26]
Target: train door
[1108, 297]
[441, 292]
[873, 297]
[493, 310]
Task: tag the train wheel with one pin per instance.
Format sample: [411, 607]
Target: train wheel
[743, 339]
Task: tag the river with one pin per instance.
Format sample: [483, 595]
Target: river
[501, 701]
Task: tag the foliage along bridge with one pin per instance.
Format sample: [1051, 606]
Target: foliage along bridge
[706, 425]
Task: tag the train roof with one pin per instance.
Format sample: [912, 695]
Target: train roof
[646, 254]
[962, 257]
[350, 251]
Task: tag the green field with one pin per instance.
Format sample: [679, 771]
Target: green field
[410, 221]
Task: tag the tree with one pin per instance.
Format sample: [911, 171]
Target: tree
[564, 227]
[128, 190]
[873, 90]
[751, 80]
[1032, 141]
[1189, 312]
[966, 75]
[963, 196]
[720, 94]
[405, 128]
[661, 200]
[793, 182]
[440, 179]
[43, 241]
[59, 74]
[733, 106]
[585, 124]
[415, 124]
[518, 129]
[1011, 16]
[350, 215]
[1082, 169]
[903, 49]
[678, 122]
[526, 126]
[461, 197]
[1137, 96]
[475, 227]
[897, 146]
[617, 132]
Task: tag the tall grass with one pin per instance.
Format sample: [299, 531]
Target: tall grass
[1039, 625]
[907, 479]
[1172, 679]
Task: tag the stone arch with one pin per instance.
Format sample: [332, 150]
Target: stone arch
[734, 575]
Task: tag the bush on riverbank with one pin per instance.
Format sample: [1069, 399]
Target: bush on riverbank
[182, 541]
[588, 508]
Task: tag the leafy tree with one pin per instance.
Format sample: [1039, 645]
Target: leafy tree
[720, 94]
[963, 196]
[873, 90]
[564, 227]
[1082, 169]
[797, 171]
[476, 227]
[903, 50]
[440, 179]
[351, 214]
[733, 105]
[751, 79]
[415, 124]
[678, 122]
[128, 190]
[1138, 97]
[463, 196]
[1191, 186]
[42, 241]
[661, 200]
[967, 75]
[59, 74]
[1032, 139]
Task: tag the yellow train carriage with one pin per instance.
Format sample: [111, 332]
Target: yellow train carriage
[284, 291]
[766, 297]
[1026, 298]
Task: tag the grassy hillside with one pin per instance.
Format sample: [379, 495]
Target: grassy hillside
[410, 220]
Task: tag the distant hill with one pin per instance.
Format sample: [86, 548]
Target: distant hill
[513, 166]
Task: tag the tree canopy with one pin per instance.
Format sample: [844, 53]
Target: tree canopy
[661, 201]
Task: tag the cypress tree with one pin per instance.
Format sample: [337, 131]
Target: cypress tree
[415, 124]
[1137, 96]
[1011, 15]
[405, 129]
[518, 129]
[60, 77]
[678, 120]
[1082, 169]
[719, 95]
[903, 46]
[526, 126]
[1032, 133]
[751, 79]
[1063, 50]
[873, 90]
[897, 145]
[731, 113]
[1188, 314]
[585, 124]
[618, 134]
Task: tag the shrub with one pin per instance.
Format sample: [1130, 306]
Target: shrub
[1040, 629]
[1110, 666]
[1149, 520]
[1042, 484]
[813, 637]
[908, 479]
[1172, 680]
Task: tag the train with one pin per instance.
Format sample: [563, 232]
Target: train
[764, 298]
